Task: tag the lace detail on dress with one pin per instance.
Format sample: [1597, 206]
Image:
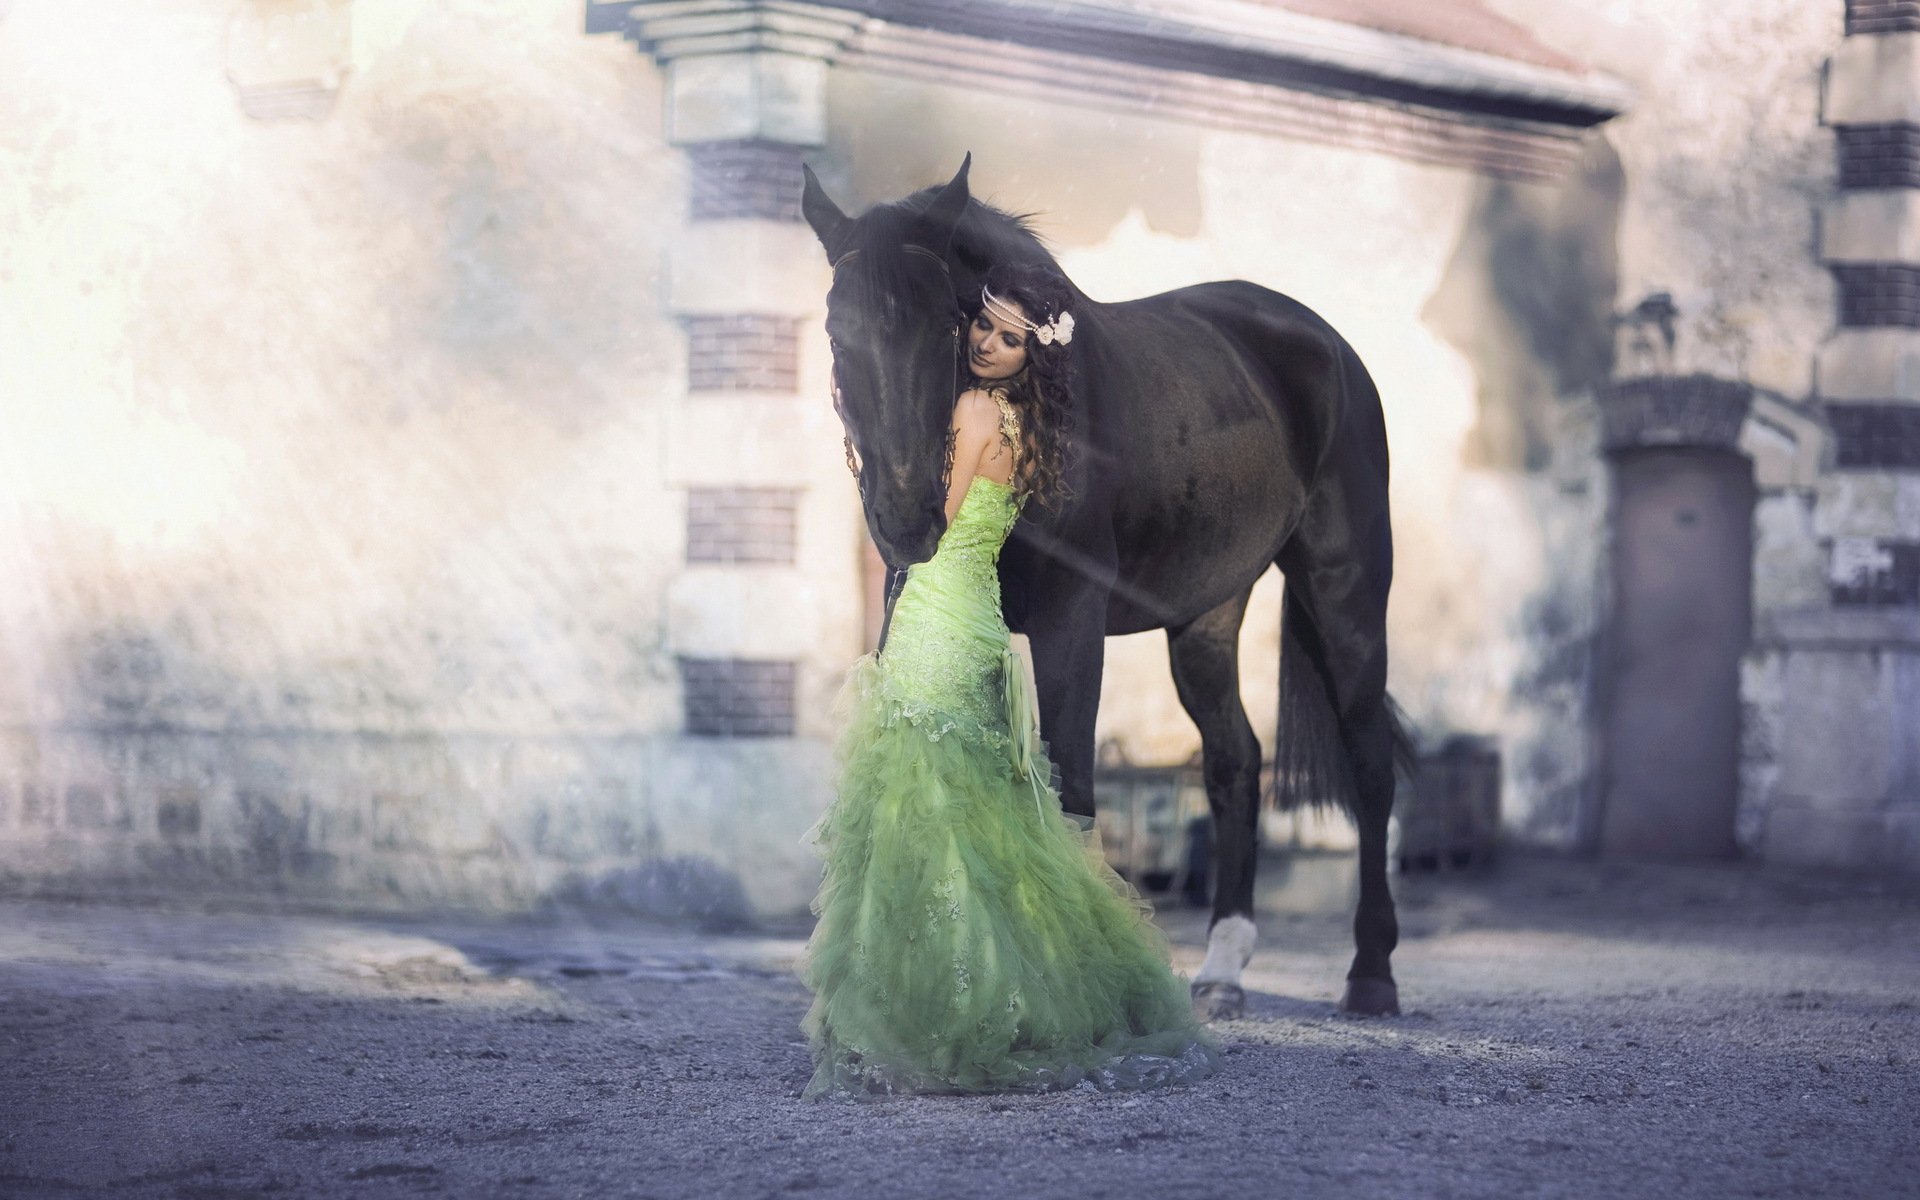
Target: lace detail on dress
[946, 645]
[1009, 434]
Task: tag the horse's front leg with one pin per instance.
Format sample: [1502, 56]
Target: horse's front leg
[1205, 655]
[1068, 643]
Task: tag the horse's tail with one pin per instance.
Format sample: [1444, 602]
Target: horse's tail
[1311, 768]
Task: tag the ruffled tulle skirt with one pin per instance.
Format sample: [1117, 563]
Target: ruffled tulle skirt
[970, 936]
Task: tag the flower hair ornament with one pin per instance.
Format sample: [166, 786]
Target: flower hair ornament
[1060, 329]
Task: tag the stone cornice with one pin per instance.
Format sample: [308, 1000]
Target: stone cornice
[676, 29]
[1673, 410]
[1498, 146]
[1222, 39]
[1257, 43]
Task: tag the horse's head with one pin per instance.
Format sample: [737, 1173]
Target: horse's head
[895, 326]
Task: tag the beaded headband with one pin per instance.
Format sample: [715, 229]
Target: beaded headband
[1060, 329]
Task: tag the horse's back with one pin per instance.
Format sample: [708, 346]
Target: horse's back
[1217, 404]
[1229, 345]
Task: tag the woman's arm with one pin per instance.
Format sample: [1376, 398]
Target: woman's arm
[976, 422]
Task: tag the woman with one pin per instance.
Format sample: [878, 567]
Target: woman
[971, 938]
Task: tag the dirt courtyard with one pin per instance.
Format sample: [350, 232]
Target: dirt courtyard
[1571, 1029]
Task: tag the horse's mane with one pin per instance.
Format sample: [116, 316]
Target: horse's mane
[984, 237]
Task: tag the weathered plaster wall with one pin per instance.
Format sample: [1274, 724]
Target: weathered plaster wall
[1725, 162]
[334, 503]
[1726, 165]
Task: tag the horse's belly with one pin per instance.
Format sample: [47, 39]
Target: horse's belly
[1190, 556]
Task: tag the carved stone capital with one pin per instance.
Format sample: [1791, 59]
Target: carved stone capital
[671, 30]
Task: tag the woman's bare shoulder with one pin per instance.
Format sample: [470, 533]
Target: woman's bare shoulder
[976, 407]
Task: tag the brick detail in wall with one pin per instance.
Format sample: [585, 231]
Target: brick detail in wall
[1875, 436]
[744, 179]
[1673, 410]
[741, 524]
[1882, 16]
[1874, 573]
[1879, 295]
[1879, 156]
[745, 352]
[737, 697]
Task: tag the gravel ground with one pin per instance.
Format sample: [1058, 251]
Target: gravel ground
[1572, 1029]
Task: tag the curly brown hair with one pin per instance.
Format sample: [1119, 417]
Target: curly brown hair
[1042, 391]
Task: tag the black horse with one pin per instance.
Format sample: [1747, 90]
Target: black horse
[1218, 430]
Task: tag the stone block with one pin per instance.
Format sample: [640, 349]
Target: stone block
[448, 820]
[1789, 570]
[795, 445]
[38, 807]
[177, 813]
[698, 785]
[730, 97]
[1872, 227]
[580, 821]
[722, 267]
[1786, 441]
[1874, 80]
[401, 821]
[1875, 365]
[1867, 504]
[1762, 700]
[273, 828]
[713, 613]
[1842, 737]
[1798, 835]
[341, 825]
[93, 806]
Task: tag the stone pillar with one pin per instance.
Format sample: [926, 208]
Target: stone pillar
[1848, 791]
[766, 614]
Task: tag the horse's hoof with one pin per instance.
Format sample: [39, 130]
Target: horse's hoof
[1371, 998]
[1219, 1001]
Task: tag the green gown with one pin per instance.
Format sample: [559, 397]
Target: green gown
[971, 938]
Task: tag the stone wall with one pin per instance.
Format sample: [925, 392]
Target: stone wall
[345, 501]
[401, 468]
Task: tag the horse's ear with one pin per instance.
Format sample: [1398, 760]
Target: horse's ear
[945, 211]
[829, 223]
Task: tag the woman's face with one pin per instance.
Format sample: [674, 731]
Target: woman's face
[997, 349]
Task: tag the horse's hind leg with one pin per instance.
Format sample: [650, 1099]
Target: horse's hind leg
[1206, 671]
[1339, 564]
